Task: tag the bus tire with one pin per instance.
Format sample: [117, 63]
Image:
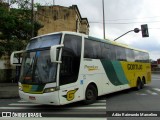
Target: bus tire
[143, 82]
[139, 84]
[91, 94]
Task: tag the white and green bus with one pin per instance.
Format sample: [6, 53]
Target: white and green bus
[65, 67]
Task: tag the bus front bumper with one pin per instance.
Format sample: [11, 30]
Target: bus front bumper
[45, 98]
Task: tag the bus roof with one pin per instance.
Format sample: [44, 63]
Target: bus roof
[93, 38]
[115, 43]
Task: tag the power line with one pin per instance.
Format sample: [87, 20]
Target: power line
[124, 22]
[126, 19]
[132, 18]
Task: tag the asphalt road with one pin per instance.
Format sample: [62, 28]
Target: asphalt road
[147, 99]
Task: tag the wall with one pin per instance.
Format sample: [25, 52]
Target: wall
[7, 72]
[59, 18]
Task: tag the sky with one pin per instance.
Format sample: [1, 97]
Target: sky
[120, 17]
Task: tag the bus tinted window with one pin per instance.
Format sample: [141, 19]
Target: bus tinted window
[71, 54]
[92, 49]
[105, 51]
[141, 56]
[130, 55]
[44, 41]
[73, 44]
[146, 57]
[120, 53]
[112, 52]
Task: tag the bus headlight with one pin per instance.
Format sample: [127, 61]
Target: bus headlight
[20, 87]
[52, 89]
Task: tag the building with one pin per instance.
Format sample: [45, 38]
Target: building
[54, 19]
[155, 65]
[59, 18]
[158, 62]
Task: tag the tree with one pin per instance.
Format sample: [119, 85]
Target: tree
[15, 26]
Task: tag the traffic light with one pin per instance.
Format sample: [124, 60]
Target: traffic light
[144, 29]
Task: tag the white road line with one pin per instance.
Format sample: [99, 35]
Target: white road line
[141, 94]
[151, 92]
[99, 103]
[55, 118]
[69, 108]
[20, 104]
[22, 101]
[32, 104]
[156, 78]
[157, 89]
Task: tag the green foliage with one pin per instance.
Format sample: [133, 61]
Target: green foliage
[15, 26]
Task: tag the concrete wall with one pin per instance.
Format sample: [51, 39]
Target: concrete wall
[7, 72]
[59, 18]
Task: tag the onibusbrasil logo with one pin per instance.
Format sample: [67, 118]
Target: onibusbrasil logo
[21, 114]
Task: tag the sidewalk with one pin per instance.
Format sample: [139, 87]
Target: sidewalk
[8, 90]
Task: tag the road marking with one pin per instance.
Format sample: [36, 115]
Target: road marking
[69, 108]
[141, 94]
[99, 103]
[156, 79]
[34, 104]
[22, 101]
[157, 89]
[56, 118]
[28, 104]
[151, 92]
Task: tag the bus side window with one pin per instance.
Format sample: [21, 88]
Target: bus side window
[137, 56]
[71, 54]
[92, 49]
[105, 51]
[120, 53]
[130, 55]
[112, 52]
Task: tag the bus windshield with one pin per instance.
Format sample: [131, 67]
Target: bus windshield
[44, 41]
[37, 68]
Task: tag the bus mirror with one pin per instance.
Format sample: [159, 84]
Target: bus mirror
[16, 58]
[53, 53]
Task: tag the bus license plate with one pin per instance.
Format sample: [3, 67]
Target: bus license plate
[32, 98]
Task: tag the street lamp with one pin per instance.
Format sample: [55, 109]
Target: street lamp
[136, 30]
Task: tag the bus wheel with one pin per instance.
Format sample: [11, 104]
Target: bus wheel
[143, 82]
[139, 84]
[91, 94]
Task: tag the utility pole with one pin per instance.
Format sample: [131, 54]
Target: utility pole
[9, 5]
[103, 19]
[53, 2]
[32, 18]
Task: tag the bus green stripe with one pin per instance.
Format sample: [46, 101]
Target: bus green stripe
[110, 71]
[119, 72]
[115, 72]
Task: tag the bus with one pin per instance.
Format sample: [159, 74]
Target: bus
[65, 67]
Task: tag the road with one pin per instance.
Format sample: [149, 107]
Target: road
[147, 99]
